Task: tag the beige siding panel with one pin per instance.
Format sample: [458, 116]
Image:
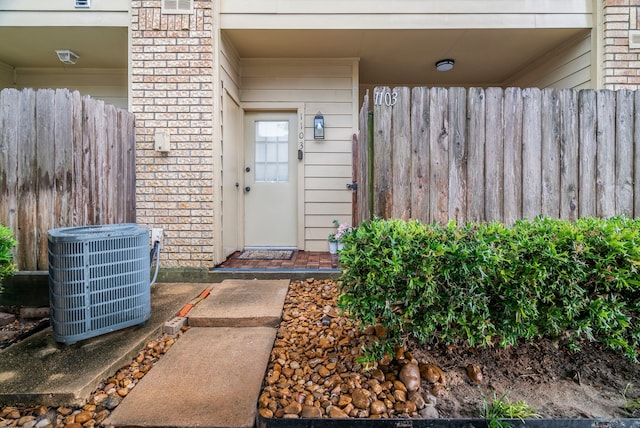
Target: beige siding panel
[330, 120]
[404, 21]
[567, 67]
[325, 183]
[586, 85]
[574, 66]
[333, 196]
[339, 134]
[320, 235]
[328, 171]
[315, 208]
[404, 6]
[326, 95]
[329, 108]
[323, 220]
[319, 245]
[328, 159]
[230, 65]
[324, 86]
[575, 80]
[62, 5]
[107, 85]
[6, 76]
[324, 146]
[303, 83]
[64, 18]
[296, 69]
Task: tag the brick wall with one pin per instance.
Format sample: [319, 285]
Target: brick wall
[621, 65]
[172, 72]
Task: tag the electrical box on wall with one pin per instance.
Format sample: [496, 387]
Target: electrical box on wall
[162, 142]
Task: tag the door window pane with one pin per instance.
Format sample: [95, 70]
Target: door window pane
[271, 163]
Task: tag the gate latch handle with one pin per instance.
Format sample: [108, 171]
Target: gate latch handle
[353, 186]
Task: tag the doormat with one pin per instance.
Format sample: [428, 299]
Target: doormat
[266, 255]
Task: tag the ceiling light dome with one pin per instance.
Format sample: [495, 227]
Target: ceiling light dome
[445, 64]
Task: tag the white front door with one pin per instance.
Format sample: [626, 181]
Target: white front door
[270, 180]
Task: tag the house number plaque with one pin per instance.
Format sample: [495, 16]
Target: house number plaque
[385, 97]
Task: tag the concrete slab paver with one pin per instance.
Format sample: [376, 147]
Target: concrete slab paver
[211, 377]
[241, 303]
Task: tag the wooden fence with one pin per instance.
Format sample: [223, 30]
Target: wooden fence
[502, 154]
[65, 160]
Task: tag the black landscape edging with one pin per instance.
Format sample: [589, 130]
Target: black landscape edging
[443, 423]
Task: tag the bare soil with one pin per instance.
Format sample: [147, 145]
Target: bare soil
[315, 362]
[594, 382]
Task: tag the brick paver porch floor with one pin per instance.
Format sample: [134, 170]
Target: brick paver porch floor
[300, 260]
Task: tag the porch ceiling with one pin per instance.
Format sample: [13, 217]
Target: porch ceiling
[34, 47]
[393, 57]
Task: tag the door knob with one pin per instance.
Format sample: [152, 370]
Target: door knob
[247, 169]
[247, 189]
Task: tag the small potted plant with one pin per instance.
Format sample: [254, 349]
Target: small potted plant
[333, 243]
[334, 238]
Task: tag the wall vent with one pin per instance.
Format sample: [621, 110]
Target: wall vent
[177, 6]
[83, 4]
[634, 39]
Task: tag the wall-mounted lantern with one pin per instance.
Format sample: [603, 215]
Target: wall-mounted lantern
[318, 127]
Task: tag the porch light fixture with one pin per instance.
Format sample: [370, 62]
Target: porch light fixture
[67, 57]
[445, 64]
[318, 127]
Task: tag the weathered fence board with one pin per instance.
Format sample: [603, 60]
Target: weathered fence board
[550, 153]
[382, 149]
[606, 154]
[636, 156]
[494, 148]
[129, 140]
[65, 160]
[9, 158]
[513, 105]
[503, 154]
[476, 138]
[439, 156]
[587, 147]
[420, 129]
[569, 155]
[44, 176]
[457, 154]
[63, 172]
[26, 234]
[400, 142]
[624, 153]
[531, 152]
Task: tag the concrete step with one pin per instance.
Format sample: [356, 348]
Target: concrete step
[241, 303]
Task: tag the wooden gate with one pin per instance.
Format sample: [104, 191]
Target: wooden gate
[65, 160]
[501, 154]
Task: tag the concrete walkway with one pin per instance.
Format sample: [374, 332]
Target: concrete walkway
[212, 376]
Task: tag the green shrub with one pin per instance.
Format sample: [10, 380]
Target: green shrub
[6, 259]
[481, 284]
